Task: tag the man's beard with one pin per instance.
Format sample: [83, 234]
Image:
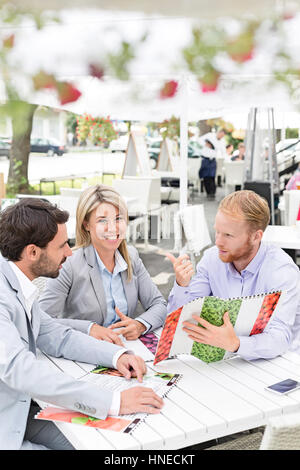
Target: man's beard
[242, 253]
[45, 267]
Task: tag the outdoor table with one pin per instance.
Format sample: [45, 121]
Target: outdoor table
[210, 401]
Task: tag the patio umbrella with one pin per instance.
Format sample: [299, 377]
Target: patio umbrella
[63, 50]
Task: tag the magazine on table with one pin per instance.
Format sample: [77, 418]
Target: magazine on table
[112, 379]
[248, 315]
[145, 346]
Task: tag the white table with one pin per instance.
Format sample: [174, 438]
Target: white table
[210, 401]
[285, 236]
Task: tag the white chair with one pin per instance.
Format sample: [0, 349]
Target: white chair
[69, 203]
[193, 167]
[234, 175]
[190, 226]
[220, 171]
[282, 433]
[291, 206]
[153, 205]
[139, 192]
[71, 192]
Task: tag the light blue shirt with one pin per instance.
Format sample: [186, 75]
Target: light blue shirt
[113, 288]
[271, 269]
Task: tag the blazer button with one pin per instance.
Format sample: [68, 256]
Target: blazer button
[77, 405]
[91, 410]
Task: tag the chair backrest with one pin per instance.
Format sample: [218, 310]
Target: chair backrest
[193, 167]
[155, 184]
[71, 192]
[139, 190]
[234, 172]
[193, 222]
[68, 203]
[282, 433]
[220, 167]
[291, 206]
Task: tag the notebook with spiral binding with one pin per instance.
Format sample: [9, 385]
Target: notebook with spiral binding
[248, 315]
[111, 379]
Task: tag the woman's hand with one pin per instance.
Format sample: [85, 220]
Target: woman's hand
[105, 334]
[131, 329]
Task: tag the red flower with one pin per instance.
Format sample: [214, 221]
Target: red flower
[208, 87]
[8, 43]
[169, 89]
[288, 15]
[241, 48]
[243, 56]
[43, 80]
[67, 93]
[96, 71]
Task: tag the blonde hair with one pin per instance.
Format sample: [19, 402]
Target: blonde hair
[247, 204]
[89, 200]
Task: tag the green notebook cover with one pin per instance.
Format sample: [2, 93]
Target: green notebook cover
[213, 310]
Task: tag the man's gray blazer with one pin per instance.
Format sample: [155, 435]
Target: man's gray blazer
[23, 377]
[78, 293]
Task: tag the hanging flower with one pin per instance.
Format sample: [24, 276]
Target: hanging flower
[169, 89]
[96, 71]
[67, 93]
[209, 80]
[43, 80]
[8, 42]
[241, 48]
[99, 130]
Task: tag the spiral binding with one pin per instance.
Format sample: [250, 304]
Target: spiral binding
[138, 421]
[237, 298]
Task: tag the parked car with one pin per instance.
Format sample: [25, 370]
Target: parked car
[285, 148]
[4, 147]
[154, 151]
[48, 146]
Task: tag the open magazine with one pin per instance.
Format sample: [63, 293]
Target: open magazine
[248, 315]
[145, 346]
[113, 380]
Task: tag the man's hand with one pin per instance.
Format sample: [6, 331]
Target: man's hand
[220, 336]
[131, 366]
[140, 400]
[183, 269]
[105, 334]
[131, 329]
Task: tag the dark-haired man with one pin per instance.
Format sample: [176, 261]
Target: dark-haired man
[34, 242]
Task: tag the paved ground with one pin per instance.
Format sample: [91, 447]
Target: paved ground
[73, 162]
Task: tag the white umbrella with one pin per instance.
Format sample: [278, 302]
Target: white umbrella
[63, 50]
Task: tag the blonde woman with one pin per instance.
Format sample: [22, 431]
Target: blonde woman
[99, 286]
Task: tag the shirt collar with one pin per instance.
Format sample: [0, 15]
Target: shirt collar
[29, 290]
[254, 264]
[120, 263]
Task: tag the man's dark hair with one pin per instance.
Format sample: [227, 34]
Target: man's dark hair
[30, 221]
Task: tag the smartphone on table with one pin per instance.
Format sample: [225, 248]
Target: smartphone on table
[284, 387]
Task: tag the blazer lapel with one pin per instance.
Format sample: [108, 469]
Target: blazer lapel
[96, 279]
[35, 319]
[14, 283]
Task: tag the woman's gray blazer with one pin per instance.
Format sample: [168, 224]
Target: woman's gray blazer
[78, 293]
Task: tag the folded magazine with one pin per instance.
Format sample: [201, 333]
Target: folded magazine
[248, 315]
[112, 379]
